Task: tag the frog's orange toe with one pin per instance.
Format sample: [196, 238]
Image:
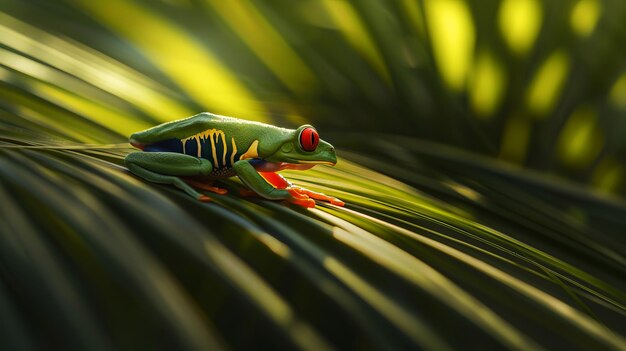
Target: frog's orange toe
[206, 187]
[297, 191]
[337, 202]
[204, 198]
[304, 202]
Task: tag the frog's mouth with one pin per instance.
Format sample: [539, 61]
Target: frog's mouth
[318, 162]
[137, 144]
[293, 163]
[302, 165]
[267, 166]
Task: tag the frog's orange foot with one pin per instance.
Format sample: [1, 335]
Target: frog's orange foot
[297, 198]
[204, 198]
[302, 195]
[203, 186]
[308, 202]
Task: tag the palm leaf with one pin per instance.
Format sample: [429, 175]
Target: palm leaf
[437, 248]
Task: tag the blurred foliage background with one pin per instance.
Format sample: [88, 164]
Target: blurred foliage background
[482, 160]
[533, 83]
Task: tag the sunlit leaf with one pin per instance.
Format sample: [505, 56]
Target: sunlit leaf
[437, 247]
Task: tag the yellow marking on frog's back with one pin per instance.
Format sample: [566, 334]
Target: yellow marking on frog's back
[252, 151]
[213, 135]
[213, 153]
[232, 156]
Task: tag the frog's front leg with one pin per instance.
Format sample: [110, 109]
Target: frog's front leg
[250, 177]
[281, 183]
[167, 167]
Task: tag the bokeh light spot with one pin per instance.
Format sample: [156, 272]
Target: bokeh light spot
[487, 83]
[519, 22]
[608, 175]
[581, 140]
[618, 92]
[452, 30]
[585, 16]
[547, 84]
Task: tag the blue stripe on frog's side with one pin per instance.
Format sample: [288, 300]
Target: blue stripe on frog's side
[219, 152]
[169, 145]
[191, 148]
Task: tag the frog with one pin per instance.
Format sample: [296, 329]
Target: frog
[192, 153]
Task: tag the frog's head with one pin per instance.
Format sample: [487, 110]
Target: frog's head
[305, 147]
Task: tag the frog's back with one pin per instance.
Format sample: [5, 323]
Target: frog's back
[220, 139]
[171, 130]
[201, 122]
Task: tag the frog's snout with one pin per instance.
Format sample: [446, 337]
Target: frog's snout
[333, 156]
[137, 144]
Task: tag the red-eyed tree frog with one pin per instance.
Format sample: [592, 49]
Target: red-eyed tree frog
[192, 152]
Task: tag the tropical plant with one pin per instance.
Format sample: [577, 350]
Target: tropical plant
[441, 244]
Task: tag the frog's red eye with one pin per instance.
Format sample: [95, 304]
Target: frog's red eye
[309, 139]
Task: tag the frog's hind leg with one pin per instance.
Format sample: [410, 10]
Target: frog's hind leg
[168, 167]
